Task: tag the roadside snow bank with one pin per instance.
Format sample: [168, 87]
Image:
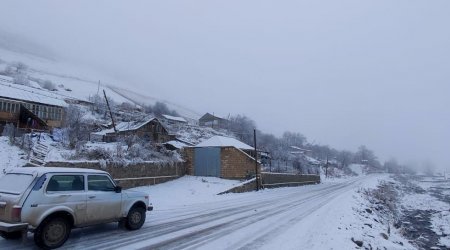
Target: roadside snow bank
[187, 190]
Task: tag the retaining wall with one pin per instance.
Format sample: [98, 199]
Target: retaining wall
[132, 175]
[272, 180]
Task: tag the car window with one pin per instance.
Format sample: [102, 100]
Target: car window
[60, 183]
[15, 183]
[100, 183]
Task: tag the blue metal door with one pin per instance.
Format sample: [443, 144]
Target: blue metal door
[207, 162]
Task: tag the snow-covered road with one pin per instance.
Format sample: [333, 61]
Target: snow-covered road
[256, 220]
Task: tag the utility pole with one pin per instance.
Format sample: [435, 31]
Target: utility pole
[326, 168]
[110, 113]
[256, 161]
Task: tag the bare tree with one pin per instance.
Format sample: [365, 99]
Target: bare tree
[242, 126]
[72, 123]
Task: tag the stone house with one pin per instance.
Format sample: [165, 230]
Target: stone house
[222, 157]
[149, 129]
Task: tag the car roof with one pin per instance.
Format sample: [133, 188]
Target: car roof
[44, 170]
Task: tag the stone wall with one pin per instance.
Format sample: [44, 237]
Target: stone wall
[188, 156]
[271, 180]
[133, 175]
[246, 187]
[236, 164]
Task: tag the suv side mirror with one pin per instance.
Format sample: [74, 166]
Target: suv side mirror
[118, 189]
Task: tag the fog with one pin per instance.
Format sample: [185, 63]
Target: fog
[343, 73]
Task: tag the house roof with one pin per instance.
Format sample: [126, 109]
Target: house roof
[222, 141]
[177, 144]
[225, 117]
[174, 118]
[24, 93]
[126, 126]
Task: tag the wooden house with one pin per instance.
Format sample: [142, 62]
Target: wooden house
[149, 129]
[213, 121]
[29, 108]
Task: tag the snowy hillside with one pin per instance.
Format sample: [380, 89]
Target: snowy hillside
[81, 83]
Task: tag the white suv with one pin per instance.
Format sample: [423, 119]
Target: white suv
[52, 201]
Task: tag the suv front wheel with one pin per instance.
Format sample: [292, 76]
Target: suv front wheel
[52, 232]
[135, 218]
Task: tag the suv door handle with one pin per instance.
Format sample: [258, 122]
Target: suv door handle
[92, 197]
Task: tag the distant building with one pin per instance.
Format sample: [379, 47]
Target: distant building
[29, 108]
[149, 129]
[213, 121]
[222, 157]
[300, 151]
[173, 120]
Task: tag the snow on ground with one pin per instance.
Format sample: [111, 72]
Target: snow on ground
[441, 218]
[10, 156]
[441, 225]
[423, 202]
[188, 190]
[333, 225]
[189, 215]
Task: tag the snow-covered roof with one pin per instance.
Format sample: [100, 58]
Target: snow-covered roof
[221, 116]
[24, 93]
[174, 118]
[126, 126]
[222, 141]
[300, 149]
[177, 144]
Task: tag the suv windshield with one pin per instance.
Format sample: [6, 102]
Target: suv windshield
[15, 183]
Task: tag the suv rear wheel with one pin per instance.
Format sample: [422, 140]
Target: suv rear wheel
[135, 218]
[52, 232]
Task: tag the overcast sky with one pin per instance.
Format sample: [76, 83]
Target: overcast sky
[343, 73]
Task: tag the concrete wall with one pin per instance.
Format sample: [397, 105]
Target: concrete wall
[134, 175]
[270, 180]
[235, 164]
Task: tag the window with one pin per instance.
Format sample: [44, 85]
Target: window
[61, 183]
[51, 113]
[100, 183]
[15, 183]
[8, 107]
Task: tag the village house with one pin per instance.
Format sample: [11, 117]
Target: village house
[173, 120]
[213, 121]
[29, 108]
[149, 129]
[222, 157]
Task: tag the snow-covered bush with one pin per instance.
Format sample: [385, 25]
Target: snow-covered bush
[49, 85]
[97, 153]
